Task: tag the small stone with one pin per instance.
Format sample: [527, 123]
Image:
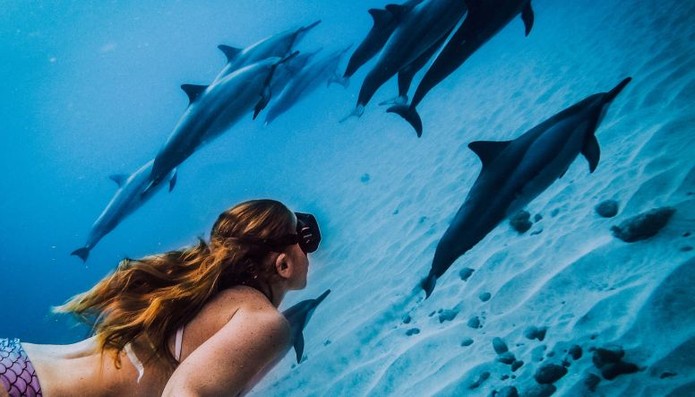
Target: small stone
[485, 296]
[607, 209]
[395, 212]
[554, 212]
[537, 217]
[575, 352]
[499, 345]
[516, 365]
[506, 358]
[447, 315]
[686, 248]
[667, 375]
[550, 373]
[643, 226]
[365, 178]
[520, 221]
[686, 234]
[482, 378]
[407, 319]
[467, 342]
[611, 364]
[507, 391]
[474, 322]
[465, 273]
[535, 333]
[412, 331]
[327, 342]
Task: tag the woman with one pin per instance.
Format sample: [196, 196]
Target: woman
[202, 321]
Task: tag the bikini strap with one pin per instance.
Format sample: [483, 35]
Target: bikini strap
[178, 344]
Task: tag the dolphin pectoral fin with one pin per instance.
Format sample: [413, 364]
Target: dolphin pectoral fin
[527, 17]
[229, 52]
[592, 152]
[487, 151]
[428, 284]
[83, 253]
[193, 91]
[299, 345]
[172, 180]
[119, 179]
[410, 115]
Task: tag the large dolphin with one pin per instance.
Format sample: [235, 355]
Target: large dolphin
[515, 172]
[278, 45]
[131, 194]
[384, 23]
[213, 110]
[298, 316]
[484, 20]
[418, 31]
[321, 71]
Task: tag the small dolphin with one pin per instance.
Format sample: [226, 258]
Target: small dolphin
[298, 316]
[384, 23]
[484, 20]
[419, 29]
[213, 110]
[278, 45]
[307, 81]
[129, 196]
[515, 172]
[287, 71]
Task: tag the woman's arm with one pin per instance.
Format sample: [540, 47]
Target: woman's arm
[225, 363]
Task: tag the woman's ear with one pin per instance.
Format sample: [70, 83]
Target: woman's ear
[282, 266]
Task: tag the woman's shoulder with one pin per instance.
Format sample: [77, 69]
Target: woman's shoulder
[252, 303]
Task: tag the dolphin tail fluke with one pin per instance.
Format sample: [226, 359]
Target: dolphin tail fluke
[410, 115]
[428, 284]
[83, 253]
[399, 100]
[615, 91]
[527, 17]
[343, 81]
[359, 109]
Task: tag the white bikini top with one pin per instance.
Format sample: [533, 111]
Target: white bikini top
[178, 346]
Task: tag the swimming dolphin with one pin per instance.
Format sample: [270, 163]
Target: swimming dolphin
[213, 110]
[515, 172]
[278, 45]
[287, 71]
[419, 29]
[129, 196]
[384, 23]
[307, 81]
[298, 316]
[484, 20]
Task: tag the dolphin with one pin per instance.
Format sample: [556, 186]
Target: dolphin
[384, 23]
[298, 316]
[307, 81]
[129, 196]
[418, 30]
[515, 172]
[213, 110]
[406, 75]
[484, 20]
[287, 71]
[278, 45]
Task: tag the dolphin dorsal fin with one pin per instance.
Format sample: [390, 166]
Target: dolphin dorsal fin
[527, 17]
[229, 51]
[119, 179]
[299, 345]
[592, 152]
[380, 17]
[193, 91]
[487, 151]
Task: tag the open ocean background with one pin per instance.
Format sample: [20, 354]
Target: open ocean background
[91, 88]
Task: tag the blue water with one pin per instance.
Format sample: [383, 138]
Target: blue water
[91, 89]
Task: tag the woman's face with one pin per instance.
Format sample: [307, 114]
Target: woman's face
[300, 262]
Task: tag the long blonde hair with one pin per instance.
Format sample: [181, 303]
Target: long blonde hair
[150, 298]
